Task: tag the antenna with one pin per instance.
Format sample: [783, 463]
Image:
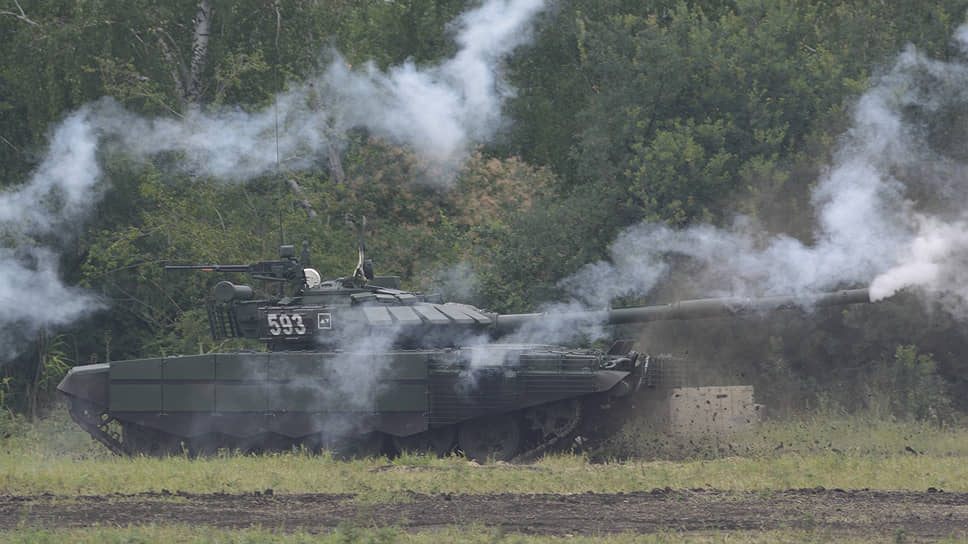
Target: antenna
[282, 243]
[364, 267]
[275, 102]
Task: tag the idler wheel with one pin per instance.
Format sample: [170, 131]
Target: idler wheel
[495, 438]
[439, 441]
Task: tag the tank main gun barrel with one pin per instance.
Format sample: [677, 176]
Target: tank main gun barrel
[690, 309]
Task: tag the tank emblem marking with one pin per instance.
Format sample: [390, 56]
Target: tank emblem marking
[324, 321]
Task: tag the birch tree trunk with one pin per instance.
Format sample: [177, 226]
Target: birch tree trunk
[203, 27]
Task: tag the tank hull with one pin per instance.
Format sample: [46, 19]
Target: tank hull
[276, 400]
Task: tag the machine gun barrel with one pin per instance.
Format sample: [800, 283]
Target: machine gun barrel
[211, 267]
[690, 309]
[278, 271]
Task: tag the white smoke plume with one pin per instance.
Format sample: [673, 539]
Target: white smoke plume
[33, 297]
[63, 187]
[364, 362]
[441, 111]
[355, 377]
[889, 212]
[561, 323]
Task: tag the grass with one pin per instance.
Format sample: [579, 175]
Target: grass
[850, 453]
[53, 456]
[380, 479]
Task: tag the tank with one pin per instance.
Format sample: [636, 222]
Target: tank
[357, 365]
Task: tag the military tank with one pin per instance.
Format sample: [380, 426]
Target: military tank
[357, 365]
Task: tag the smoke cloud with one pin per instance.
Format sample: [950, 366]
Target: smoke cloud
[441, 111]
[888, 212]
[33, 297]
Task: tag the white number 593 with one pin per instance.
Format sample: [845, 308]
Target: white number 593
[285, 324]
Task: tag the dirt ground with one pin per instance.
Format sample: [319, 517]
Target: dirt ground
[931, 514]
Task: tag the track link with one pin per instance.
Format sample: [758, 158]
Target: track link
[97, 424]
[565, 431]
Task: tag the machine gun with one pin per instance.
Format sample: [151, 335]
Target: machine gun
[285, 270]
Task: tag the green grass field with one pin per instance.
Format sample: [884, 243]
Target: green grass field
[52, 456]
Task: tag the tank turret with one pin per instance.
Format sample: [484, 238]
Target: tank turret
[333, 312]
[357, 363]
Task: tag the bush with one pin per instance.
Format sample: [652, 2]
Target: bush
[918, 392]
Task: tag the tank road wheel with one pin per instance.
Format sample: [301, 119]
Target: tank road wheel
[369, 445]
[355, 447]
[439, 441]
[206, 445]
[494, 437]
[138, 440]
[553, 420]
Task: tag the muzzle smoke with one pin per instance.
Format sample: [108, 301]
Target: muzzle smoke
[888, 212]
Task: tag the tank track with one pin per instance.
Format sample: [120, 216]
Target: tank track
[97, 423]
[555, 438]
[107, 430]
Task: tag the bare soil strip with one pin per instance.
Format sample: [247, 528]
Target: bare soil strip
[931, 514]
